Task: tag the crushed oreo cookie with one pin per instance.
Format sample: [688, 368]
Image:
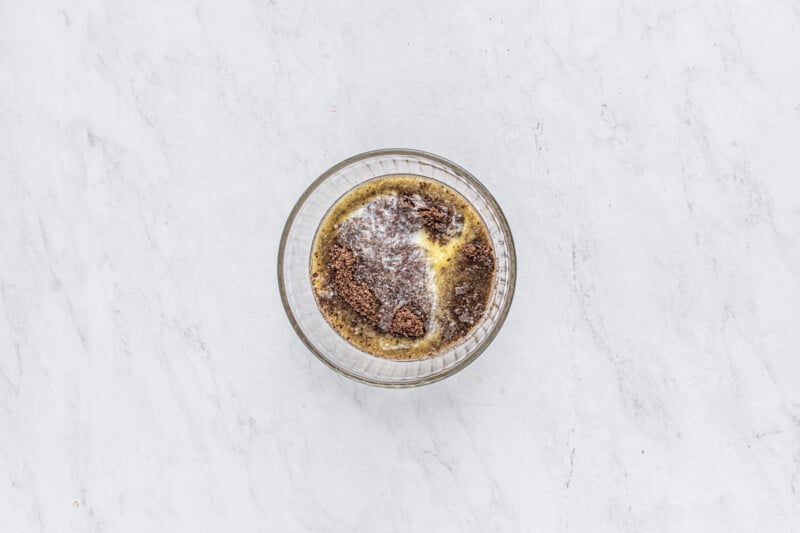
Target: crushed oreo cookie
[467, 302]
[407, 323]
[342, 263]
[388, 280]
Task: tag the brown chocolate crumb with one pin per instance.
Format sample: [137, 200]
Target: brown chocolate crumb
[406, 203]
[440, 221]
[478, 252]
[435, 217]
[342, 264]
[406, 323]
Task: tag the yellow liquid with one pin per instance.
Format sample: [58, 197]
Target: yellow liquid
[443, 257]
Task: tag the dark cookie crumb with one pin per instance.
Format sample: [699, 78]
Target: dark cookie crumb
[406, 323]
[358, 295]
[467, 301]
[435, 217]
[439, 220]
[479, 252]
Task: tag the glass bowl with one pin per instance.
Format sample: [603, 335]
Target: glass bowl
[294, 258]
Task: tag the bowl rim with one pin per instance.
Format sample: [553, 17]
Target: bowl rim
[512, 270]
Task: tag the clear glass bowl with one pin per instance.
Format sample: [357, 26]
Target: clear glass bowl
[297, 294]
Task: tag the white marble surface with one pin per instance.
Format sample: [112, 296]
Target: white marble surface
[647, 156]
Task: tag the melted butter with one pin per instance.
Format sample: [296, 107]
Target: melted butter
[440, 255]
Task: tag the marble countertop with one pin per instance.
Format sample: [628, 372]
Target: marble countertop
[647, 158]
